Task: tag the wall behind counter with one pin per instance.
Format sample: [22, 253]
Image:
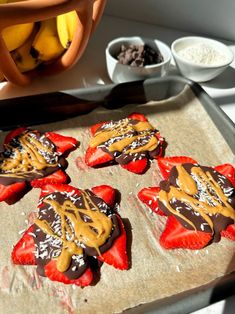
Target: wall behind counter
[213, 18]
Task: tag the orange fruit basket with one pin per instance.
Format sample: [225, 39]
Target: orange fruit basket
[15, 12]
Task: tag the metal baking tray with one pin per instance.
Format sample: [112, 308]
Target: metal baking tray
[61, 105]
[56, 106]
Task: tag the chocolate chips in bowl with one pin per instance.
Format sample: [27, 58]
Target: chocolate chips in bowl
[139, 55]
[136, 58]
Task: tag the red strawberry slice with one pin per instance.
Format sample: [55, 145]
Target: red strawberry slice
[137, 166]
[116, 256]
[137, 116]
[13, 134]
[106, 192]
[55, 275]
[95, 127]
[23, 252]
[57, 177]
[63, 143]
[9, 192]
[228, 171]
[165, 164]
[149, 196]
[229, 233]
[176, 236]
[96, 156]
[51, 188]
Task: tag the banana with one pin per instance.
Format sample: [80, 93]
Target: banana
[22, 57]
[15, 35]
[66, 26]
[46, 44]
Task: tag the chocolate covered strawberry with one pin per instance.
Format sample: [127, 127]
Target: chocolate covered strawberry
[32, 159]
[198, 200]
[73, 226]
[130, 142]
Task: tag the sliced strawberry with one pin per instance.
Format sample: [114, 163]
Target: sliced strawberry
[7, 192]
[51, 188]
[63, 143]
[137, 116]
[165, 164]
[149, 196]
[57, 177]
[13, 134]
[162, 145]
[55, 275]
[116, 256]
[228, 171]
[95, 127]
[229, 233]
[176, 236]
[23, 251]
[106, 192]
[96, 156]
[137, 166]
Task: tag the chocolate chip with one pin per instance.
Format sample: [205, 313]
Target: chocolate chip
[138, 55]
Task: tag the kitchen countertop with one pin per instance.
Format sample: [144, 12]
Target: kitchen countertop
[91, 69]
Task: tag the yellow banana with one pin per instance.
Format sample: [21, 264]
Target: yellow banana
[66, 26]
[15, 35]
[46, 44]
[22, 57]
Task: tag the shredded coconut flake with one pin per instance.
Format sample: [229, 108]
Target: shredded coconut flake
[201, 53]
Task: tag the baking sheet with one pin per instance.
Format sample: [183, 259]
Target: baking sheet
[155, 274]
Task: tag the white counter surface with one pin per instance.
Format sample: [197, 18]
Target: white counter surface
[91, 68]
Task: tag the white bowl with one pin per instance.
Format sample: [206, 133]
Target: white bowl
[119, 73]
[201, 59]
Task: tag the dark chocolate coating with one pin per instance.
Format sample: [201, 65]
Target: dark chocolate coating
[76, 268]
[220, 222]
[123, 158]
[8, 180]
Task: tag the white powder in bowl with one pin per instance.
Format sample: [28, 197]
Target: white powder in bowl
[201, 53]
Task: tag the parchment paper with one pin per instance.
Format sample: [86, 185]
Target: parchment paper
[154, 273]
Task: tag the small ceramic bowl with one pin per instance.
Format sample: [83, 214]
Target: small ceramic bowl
[119, 72]
[201, 59]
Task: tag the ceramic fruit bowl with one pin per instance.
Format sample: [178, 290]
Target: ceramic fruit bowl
[44, 37]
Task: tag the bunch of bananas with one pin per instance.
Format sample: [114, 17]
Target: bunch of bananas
[31, 44]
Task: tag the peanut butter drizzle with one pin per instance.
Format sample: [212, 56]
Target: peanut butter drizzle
[28, 159]
[189, 187]
[122, 128]
[92, 233]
